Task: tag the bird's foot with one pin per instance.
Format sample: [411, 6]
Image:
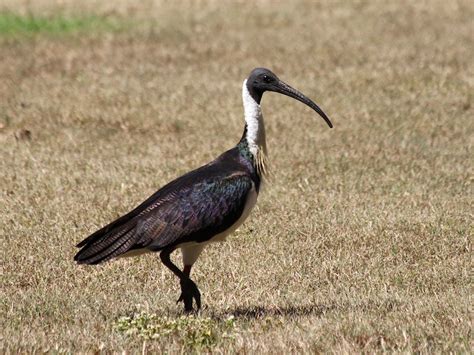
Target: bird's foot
[189, 291]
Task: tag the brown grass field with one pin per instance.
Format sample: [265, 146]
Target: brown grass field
[360, 242]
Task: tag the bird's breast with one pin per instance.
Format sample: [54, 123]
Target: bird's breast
[249, 205]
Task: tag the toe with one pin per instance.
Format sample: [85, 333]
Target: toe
[189, 291]
[197, 298]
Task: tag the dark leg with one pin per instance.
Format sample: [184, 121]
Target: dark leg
[189, 289]
[187, 270]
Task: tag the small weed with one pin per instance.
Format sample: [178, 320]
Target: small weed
[193, 332]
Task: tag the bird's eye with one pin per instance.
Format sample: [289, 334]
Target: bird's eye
[267, 79]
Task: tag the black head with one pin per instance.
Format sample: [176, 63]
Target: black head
[262, 79]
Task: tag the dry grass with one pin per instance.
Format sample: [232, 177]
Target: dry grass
[361, 242]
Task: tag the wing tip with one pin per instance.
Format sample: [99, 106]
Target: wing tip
[86, 261]
[81, 244]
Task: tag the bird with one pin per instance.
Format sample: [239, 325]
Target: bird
[202, 206]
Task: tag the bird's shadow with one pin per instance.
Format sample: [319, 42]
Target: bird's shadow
[260, 312]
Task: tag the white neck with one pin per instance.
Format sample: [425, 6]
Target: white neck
[255, 126]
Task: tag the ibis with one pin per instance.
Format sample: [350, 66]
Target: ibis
[200, 207]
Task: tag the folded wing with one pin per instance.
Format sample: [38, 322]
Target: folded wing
[194, 207]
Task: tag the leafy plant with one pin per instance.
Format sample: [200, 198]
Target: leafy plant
[192, 331]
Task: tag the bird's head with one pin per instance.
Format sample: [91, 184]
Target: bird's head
[262, 79]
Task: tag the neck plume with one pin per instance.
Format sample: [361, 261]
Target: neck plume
[255, 130]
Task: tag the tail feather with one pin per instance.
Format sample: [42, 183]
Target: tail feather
[106, 240]
[107, 245]
[99, 235]
[119, 247]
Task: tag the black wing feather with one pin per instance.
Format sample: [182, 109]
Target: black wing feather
[194, 207]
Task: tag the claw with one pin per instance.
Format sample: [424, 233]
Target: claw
[189, 291]
[197, 298]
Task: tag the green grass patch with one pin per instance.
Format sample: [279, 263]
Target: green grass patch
[15, 24]
[191, 331]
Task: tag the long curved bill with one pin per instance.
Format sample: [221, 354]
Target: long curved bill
[287, 90]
